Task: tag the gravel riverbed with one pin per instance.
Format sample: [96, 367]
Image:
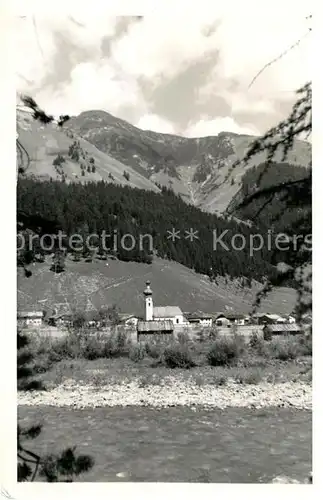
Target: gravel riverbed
[175, 393]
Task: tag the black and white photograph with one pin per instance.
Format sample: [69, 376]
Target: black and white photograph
[163, 238]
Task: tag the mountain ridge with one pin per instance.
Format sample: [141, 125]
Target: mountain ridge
[205, 171]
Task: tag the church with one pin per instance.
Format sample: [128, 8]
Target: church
[158, 320]
[167, 313]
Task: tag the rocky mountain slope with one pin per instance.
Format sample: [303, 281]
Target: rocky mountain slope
[51, 152]
[96, 145]
[202, 170]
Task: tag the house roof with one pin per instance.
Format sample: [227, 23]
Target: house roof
[167, 312]
[274, 317]
[125, 316]
[198, 315]
[234, 316]
[155, 326]
[63, 316]
[30, 314]
[285, 327]
[219, 315]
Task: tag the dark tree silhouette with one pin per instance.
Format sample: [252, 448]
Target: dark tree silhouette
[53, 468]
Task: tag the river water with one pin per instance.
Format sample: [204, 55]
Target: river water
[234, 445]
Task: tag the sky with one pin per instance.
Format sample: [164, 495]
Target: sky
[185, 69]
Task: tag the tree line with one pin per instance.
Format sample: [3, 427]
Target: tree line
[120, 210]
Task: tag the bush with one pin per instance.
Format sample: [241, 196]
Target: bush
[257, 344]
[153, 350]
[305, 345]
[150, 379]
[92, 348]
[219, 380]
[43, 364]
[67, 348]
[137, 353]
[57, 162]
[116, 346]
[207, 334]
[284, 349]
[178, 356]
[183, 338]
[252, 377]
[225, 351]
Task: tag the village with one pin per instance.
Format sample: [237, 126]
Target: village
[168, 321]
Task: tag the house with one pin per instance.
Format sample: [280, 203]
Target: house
[61, 320]
[129, 319]
[152, 330]
[201, 319]
[236, 319]
[229, 319]
[268, 319]
[222, 320]
[271, 331]
[30, 318]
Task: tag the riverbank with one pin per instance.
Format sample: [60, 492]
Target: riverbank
[175, 392]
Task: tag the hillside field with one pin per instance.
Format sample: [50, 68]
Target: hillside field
[88, 286]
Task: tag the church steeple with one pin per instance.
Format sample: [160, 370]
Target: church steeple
[149, 302]
[148, 290]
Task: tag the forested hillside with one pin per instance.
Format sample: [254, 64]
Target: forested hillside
[274, 210]
[97, 207]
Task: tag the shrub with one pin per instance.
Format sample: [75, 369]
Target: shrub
[252, 377]
[137, 353]
[224, 351]
[153, 350]
[219, 380]
[305, 345]
[183, 338]
[43, 364]
[257, 344]
[67, 348]
[57, 162]
[92, 348]
[207, 334]
[284, 349]
[116, 346]
[178, 356]
[149, 379]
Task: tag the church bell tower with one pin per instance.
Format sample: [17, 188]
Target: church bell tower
[149, 302]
